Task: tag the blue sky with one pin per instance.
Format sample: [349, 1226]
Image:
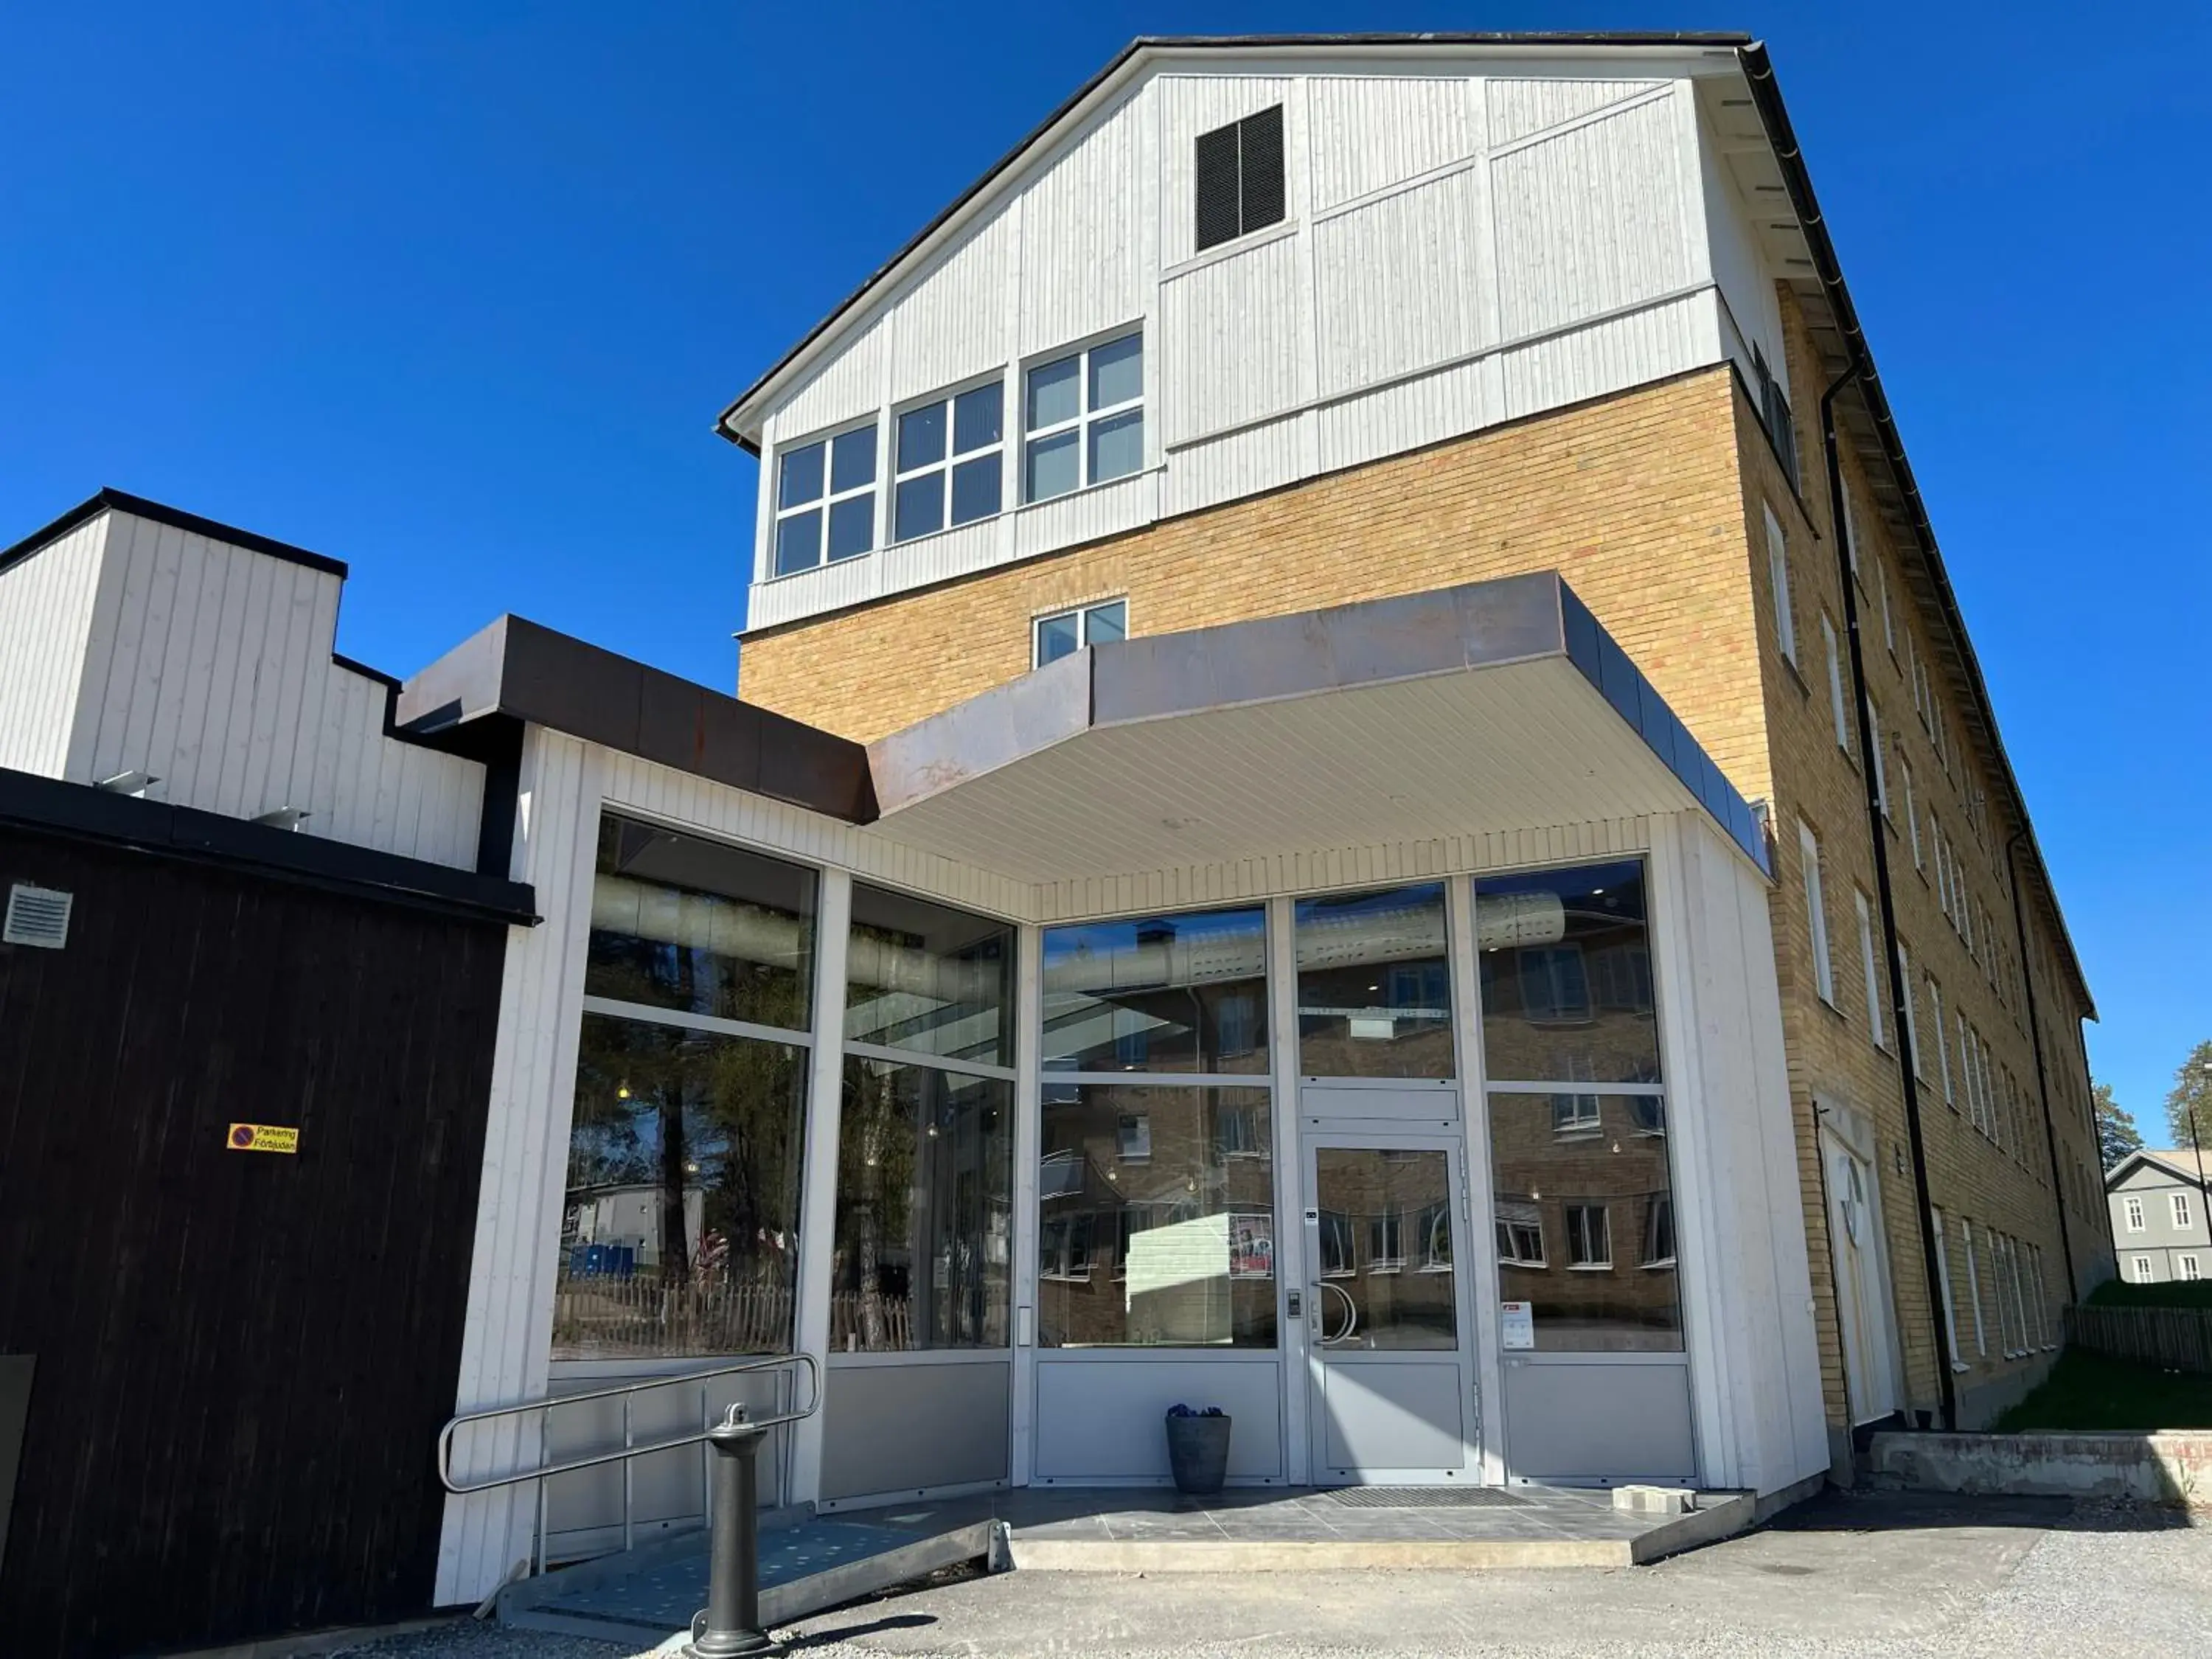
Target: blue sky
[454, 292]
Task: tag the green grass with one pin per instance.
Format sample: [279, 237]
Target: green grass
[2175, 1293]
[2086, 1392]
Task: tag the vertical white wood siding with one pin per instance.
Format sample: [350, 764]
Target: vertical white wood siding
[46, 617]
[209, 667]
[1459, 248]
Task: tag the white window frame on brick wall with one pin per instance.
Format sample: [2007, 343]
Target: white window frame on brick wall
[1777, 575]
[2044, 1323]
[2006, 1347]
[2177, 1206]
[1816, 912]
[1888, 626]
[1106, 618]
[1913, 1056]
[1974, 1287]
[2019, 1292]
[1942, 1048]
[1875, 1028]
[2132, 1209]
[1835, 685]
[1873, 717]
[1912, 812]
[1943, 1283]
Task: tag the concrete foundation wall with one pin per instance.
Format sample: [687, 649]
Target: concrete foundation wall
[2173, 1468]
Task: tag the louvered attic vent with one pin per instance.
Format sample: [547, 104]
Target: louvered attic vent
[36, 915]
[1239, 178]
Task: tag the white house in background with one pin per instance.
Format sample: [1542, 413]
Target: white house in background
[2160, 1228]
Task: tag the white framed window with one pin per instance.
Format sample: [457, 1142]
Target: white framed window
[1911, 812]
[2179, 1204]
[1778, 572]
[2019, 1276]
[1589, 1238]
[2186, 1266]
[948, 460]
[1942, 1048]
[2142, 1270]
[1943, 1283]
[1835, 685]
[1576, 1117]
[1913, 1055]
[1850, 532]
[1874, 742]
[1658, 1231]
[1816, 913]
[1888, 625]
[825, 499]
[1064, 632]
[1520, 1234]
[1083, 418]
[1876, 1029]
[1974, 1287]
[2042, 1298]
[2135, 1222]
[1385, 1242]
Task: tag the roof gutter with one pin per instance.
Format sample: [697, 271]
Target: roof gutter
[1766, 97]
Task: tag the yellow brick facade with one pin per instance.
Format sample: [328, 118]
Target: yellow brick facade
[1651, 504]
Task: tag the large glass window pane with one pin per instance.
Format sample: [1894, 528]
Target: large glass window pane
[852, 527]
[927, 978]
[920, 507]
[1157, 1218]
[1386, 1271]
[1102, 625]
[976, 490]
[798, 476]
[799, 542]
[1117, 445]
[975, 417]
[1375, 985]
[921, 437]
[1056, 637]
[1566, 977]
[1055, 393]
[1586, 1220]
[1158, 993]
[679, 1229]
[1117, 371]
[679, 921]
[924, 1210]
[853, 460]
[1054, 466]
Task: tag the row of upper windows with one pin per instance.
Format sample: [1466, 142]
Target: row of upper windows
[2177, 1206]
[1083, 423]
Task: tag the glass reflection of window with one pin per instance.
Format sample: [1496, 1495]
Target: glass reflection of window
[1648, 1113]
[928, 980]
[1576, 1115]
[1067, 1240]
[1374, 988]
[1435, 1229]
[1554, 984]
[1338, 1255]
[1589, 1240]
[1520, 1235]
[1176, 993]
[1658, 1231]
[1386, 1239]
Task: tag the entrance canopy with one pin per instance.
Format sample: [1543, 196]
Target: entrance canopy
[1494, 706]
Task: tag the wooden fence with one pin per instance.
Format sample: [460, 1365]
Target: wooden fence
[2178, 1338]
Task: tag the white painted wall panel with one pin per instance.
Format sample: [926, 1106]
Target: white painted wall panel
[849, 384]
[1238, 464]
[1407, 416]
[1071, 520]
[1366, 132]
[46, 603]
[1190, 105]
[1590, 219]
[1635, 347]
[949, 323]
[1396, 285]
[1232, 347]
[1738, 268]
[209, 667]
[1082, 232]
[1519, 108]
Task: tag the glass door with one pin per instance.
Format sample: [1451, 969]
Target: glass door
[1392, 1370]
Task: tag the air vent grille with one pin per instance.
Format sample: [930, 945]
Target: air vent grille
[38, 917]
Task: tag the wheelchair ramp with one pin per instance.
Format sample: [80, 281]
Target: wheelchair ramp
[644, 1595]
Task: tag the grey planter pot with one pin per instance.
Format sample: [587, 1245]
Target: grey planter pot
[1198, 1453]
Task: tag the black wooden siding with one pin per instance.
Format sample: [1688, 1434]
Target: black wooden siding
[242, 1358]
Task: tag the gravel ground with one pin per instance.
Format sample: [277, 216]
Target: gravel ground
[1842, 1578]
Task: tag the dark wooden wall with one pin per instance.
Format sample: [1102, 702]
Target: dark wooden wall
[242, 1358]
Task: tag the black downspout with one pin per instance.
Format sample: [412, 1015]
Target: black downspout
[2042, 1079]
[1900, 993]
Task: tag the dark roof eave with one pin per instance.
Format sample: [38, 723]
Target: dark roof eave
[1766, 96]
[1729, 39]
[121, 501]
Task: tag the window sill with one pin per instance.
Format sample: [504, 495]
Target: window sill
[1248, 242]
[1797, 675]
[1590, 1267]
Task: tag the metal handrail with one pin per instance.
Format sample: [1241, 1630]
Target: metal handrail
[641, 1385]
